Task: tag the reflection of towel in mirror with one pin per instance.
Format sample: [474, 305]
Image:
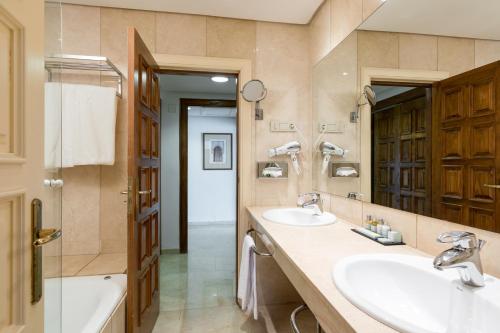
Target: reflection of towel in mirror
[247, 286]
[80, 125]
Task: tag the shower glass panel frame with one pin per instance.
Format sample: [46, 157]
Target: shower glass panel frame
[52, 199]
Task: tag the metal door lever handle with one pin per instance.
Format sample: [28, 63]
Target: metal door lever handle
[144, 192]
[46, 236]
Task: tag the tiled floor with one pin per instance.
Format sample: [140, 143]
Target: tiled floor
[197, 290]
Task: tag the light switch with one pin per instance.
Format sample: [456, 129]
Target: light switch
[332, 127]
[282, 126]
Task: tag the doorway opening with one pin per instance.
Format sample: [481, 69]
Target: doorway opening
[401, 137]
[199, 130]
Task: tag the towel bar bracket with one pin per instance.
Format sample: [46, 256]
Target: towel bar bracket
[254, 248]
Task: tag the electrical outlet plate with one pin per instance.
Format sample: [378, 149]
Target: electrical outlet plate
[332, 127]
[282, 126]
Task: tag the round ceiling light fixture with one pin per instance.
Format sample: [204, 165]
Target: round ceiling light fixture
[220, 79]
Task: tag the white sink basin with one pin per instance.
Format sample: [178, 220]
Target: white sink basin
[299, 217]
[408, 294]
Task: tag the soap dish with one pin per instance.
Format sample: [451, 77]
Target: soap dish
[377, 239]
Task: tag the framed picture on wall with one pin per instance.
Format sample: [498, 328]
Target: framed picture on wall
[217, 151]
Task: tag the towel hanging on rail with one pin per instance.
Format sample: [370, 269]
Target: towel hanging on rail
[247, 284]
[80, 123]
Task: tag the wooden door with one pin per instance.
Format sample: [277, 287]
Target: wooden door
[466, 132]
[21, 158]
[144, 187]
[401, 151]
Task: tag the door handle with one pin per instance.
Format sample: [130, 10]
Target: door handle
[46, 236]
[144, 192]
[492, 186]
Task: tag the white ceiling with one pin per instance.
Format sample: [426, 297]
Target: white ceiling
[458, 18]
[196, 84]
[295, 11]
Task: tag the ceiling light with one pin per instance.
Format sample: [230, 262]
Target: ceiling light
[220, 79]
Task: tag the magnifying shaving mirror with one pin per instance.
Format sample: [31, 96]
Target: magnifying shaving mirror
[255, 91]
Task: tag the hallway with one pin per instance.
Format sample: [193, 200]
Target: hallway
[198, 289]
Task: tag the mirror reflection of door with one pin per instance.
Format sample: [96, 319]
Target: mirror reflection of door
[401, 131]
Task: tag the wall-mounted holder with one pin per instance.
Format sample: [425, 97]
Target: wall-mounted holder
[342, 170]
[272, 170]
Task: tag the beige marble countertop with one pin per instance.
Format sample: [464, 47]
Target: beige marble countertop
[313, 252]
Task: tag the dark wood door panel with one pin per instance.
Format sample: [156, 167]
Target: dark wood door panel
[466, 152]
[144, 180]
[400, 153]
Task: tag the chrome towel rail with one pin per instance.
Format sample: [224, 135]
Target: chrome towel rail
[293, 319]
[254, 248]
[60, 62]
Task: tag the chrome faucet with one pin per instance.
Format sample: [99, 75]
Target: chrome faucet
[464, 255]
[311, 200]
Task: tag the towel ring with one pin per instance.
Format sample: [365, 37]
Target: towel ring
[254, 248]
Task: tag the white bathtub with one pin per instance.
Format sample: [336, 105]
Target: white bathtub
[87, 302]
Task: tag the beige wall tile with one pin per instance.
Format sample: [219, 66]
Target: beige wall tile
[282, 64]
[401, 221]
[429, 228]
[181, 34]
[80, 210]
[378, 49]
[230, 38]
[486, 51]
[114, 25]
[106, 264]
[351, 210]
[418, 52]
[346, 16]
[81, 26]
[370, 6]
[455, 55]
[320, 30]
[52, 25]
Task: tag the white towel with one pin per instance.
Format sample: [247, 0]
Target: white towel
[80, 123]
[247, 284]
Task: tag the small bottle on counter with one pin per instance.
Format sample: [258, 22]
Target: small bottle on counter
[374, 225]
[368, 222]
[380, 226]
[385, 230]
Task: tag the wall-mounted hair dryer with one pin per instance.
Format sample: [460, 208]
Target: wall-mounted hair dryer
[291, 148]
[328, 150]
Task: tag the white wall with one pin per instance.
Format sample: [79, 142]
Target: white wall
[170, 163]
[211, 193]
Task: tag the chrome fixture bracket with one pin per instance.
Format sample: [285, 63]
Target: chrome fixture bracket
[254, 248]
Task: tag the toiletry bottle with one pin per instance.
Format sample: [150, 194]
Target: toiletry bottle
[374, 225]
[380, 226]
[385, 230]
[368, 222]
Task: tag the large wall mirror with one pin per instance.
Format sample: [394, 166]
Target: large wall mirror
[406, 111]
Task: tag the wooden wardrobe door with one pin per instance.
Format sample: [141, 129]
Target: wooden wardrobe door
[144, 180]
[466, 136]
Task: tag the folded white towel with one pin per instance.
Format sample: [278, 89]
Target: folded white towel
[247, 282]
[80, 123]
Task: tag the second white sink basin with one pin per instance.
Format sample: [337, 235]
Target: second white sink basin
[298, 217]
[408, 294]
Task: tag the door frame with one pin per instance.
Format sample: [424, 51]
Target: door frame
[247, 167]
[184, 163]
[369, 75]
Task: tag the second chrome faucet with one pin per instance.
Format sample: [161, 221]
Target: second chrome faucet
[464, 255]
[311, 200]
